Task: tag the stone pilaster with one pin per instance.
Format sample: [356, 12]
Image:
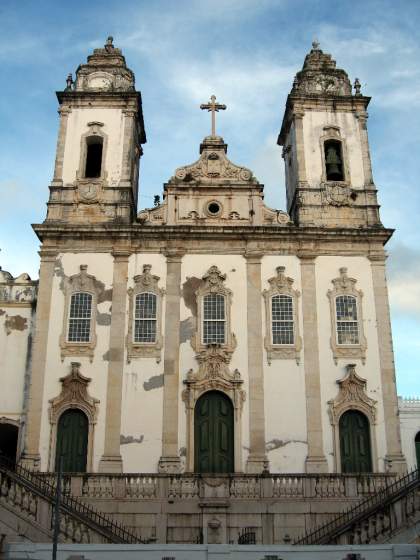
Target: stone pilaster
[127, 167]
[395, 460]
[170, 460]
[111, 460]
[61, 141]
[315, 460]
[31, 455]
[300, 148]
[367, 164]
[257, 459]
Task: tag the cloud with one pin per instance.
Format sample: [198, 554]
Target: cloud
[404, 280]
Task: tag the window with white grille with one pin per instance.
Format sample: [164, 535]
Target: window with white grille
[282, 319]
[214, 319]
[347, 321]
[80, 315]
[145, 318]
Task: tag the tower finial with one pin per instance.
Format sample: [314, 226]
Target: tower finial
[109, 45]
[315, 44]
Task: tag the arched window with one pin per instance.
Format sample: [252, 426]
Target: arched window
[347, 320]
[282, 319]
[214, 319]
[334, 169]
[145, 318]
[94, 149]
[80, 314]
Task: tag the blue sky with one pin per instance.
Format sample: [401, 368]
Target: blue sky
[244, 51]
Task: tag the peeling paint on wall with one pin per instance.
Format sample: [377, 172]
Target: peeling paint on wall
[278, 443]
[189, 289]
[2, 312]
[15, 323]
[182, 451]
[130, 439]
[105, 356]
[103, 319]
[153, 383]
[186, 329]
[103, 294]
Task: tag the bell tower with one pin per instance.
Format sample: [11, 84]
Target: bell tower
[99, 143]
[326, 149]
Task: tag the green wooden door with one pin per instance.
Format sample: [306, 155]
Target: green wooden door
[213, 429]
[355, 443]
[72, 440]
[417, 442]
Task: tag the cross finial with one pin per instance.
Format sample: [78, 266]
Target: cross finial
[315, 44]
[214, 108]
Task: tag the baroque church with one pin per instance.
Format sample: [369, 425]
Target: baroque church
[209, 336]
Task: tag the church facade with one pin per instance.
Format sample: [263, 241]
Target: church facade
[210, 333]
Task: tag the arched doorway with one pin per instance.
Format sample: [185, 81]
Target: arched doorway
[72, 441]
[355, 448]
[213, 434]
[8, 441]
[417, 442]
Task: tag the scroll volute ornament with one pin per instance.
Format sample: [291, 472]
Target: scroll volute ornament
[74, 394]
[352, 396]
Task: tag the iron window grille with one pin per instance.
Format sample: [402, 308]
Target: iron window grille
[80, 316]
[347, 320]
[214, 319]
[282, 319]
[145, 318]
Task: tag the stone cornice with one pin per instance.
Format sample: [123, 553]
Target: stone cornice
[270, 239]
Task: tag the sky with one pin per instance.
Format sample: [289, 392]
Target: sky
[246, 52]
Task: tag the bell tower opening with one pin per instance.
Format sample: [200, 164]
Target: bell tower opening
[94, 148]
[333, 160]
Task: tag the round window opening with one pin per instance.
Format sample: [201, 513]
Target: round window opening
[213, 208]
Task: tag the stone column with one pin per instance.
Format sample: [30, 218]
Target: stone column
[257, 459]
[315, 461]
[170, 460]
[61, 142]
[111, 460]
[31, 456]
[394, 458]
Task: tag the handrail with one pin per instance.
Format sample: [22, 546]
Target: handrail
[323, 534]
[98, 521]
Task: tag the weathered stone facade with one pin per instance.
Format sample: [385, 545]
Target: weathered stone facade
[300, 332]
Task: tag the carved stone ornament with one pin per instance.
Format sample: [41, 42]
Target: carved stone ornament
[281, 285]
[145, 282]
[82, 282]
[74, 394]
[337, 194]
[88, 191]
[213, 165]
[352, 396]
[213, 374]
[213, 282]
[344, 285]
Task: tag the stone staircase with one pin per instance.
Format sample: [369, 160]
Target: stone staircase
[26, 512]
[390, 515]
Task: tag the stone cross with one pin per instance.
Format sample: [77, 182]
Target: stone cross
[214, 108]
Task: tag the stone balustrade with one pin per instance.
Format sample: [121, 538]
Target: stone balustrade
[238, 486]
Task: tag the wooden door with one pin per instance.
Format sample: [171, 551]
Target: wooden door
[355, 446]
[417, 442]
[213, 430]
[72, 441]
